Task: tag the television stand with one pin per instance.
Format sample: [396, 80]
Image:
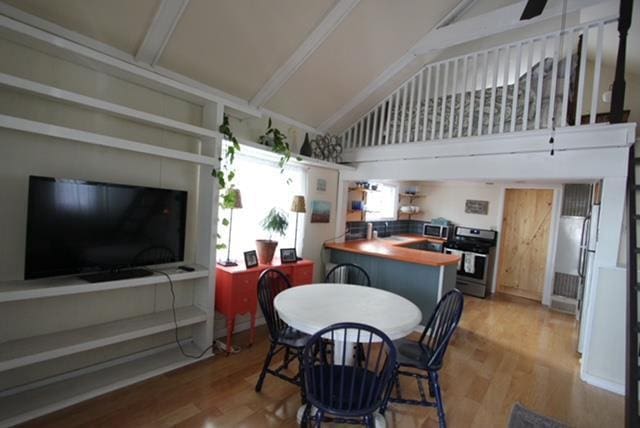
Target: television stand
[116, 275]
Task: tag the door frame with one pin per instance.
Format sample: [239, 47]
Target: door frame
[553, 234]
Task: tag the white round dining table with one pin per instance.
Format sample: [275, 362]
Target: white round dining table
[310, 308]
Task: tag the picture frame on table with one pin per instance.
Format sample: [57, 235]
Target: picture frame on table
[288, 255]
[250, 259]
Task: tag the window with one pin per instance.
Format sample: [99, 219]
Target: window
[262, 187]
[382, 204]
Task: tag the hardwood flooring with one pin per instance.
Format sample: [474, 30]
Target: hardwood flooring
[505, 350]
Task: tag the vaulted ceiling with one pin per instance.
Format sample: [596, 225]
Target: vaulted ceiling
[306, 60]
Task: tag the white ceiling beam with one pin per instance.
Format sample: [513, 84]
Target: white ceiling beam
[491, 23]
[160, 30]
[392, 70]
[444, 36]
[332, 19]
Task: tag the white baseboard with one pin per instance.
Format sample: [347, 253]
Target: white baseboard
[601, 383]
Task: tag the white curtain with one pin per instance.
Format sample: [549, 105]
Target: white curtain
[262, 187]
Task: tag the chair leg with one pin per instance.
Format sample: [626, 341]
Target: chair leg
[303, 393]
[319, 416]
[387, 394]
[304, 422]
[433, 379]
[286, 358]
[267, 362]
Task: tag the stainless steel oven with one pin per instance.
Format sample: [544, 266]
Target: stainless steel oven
[476, 249]
[435, 231]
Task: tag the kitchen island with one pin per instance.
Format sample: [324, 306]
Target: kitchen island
[395, 264]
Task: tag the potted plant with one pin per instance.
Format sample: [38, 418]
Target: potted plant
[275, 222]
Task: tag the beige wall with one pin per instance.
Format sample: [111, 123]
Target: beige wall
[447, 199]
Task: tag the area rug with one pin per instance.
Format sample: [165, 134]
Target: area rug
[521, 417]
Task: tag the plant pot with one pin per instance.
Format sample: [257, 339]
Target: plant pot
[266, 249]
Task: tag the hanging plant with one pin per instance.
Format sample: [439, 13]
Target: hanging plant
[226, 174]
[276, 139]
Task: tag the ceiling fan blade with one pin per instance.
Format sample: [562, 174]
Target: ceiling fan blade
[532, 9]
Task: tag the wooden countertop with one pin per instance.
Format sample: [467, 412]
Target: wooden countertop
[396, 250]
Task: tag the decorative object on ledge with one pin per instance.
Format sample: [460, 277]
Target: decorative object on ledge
[320, 212]
[327, 148]
[306, 150]
[476, 207]
[275, 222]
[232, 200]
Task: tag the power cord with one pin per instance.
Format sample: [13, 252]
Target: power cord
[175, 318]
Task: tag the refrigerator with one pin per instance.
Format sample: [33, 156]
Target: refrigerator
[577, 238]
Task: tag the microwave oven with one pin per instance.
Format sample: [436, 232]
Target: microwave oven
[435, 231]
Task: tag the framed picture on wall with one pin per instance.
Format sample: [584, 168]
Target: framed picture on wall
[250, 259]
[288, 255]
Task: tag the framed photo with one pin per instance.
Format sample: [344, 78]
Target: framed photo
[251, 259]
[321, 185]
[320, 211]
[288, 255]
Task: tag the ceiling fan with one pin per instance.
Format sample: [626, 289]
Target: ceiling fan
[532, 9]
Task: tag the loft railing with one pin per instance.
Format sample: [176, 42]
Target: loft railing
[536, 83]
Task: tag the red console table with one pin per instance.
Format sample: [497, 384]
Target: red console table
[237, 289]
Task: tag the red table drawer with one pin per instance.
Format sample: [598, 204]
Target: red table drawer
[303, 275]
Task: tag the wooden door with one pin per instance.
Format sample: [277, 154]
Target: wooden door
[525, 239]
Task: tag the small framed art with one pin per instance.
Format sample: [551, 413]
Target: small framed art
[250, 259]
[288, 255]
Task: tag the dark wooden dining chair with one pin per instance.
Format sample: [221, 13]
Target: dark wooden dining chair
[427, 354]
[282, 337]
[348, 273]
[344, 393]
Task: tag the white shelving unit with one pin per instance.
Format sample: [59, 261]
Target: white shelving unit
[21, 403]
[36, 289]
[29, 404]
[31, 350]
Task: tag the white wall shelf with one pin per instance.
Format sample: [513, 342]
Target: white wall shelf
[264, 152]
[29, 404]
[30, 350]
[69, 97]
[41, 128]
[35, 289]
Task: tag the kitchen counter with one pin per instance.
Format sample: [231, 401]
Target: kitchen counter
[421, 276]
[395, 249]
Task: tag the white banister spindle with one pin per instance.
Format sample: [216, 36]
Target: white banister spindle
[410, 118]
[541, 67]
[403, 113]
[425, 119]
[483, 86]
[381, 122]
[505, 87]
[527, 87]
[454, 89]
[472, 93]
[374, 128]
[567, 77]
[352, 133]
[514, 106]
[554, 80]
[387, 125]
[418, 118]
[367, 127]
[394, 134]
[435, 102]
[595, 92]
[494, 82]
[443, 109]
[462, 95]
[582, 72]
[360, 132]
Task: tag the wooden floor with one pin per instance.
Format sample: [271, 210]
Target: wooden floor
[506, 350]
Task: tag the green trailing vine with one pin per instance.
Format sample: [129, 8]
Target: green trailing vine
[278, 141]
[226, 174]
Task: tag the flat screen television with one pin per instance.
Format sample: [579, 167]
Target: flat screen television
[76, 226]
